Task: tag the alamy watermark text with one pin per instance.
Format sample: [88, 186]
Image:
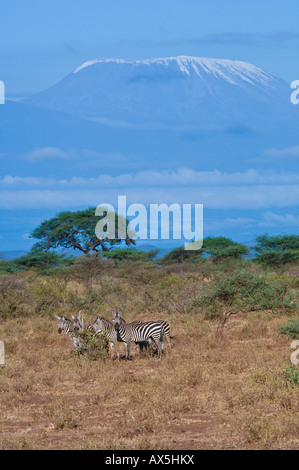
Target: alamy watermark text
[158, 221]
[295, 94]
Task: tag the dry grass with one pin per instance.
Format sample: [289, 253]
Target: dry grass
[211, 392]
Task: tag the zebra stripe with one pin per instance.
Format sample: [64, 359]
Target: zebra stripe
[78, 323]
[101, 324]
[139, 332]
[166, 331]
[66, 325]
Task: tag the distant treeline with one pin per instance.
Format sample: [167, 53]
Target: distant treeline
[273, 251]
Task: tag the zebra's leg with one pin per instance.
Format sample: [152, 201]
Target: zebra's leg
[111, 348]
[128, 350]
[115, 347]
[142, 345]
[158, 343]
[161, 341]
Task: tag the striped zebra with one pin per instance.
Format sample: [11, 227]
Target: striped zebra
[101, 324]
[91, 336]
[166, 331]
[78, 321]
[139, 332]
[71, 330]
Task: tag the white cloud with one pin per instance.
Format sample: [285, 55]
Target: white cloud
[281, 219]
[47, 153]
[287, 152]
[31, 181]
[217, 197]
[181, 177]
[250, 189]
[267, 219]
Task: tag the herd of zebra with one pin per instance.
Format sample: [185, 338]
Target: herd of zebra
[149, 333]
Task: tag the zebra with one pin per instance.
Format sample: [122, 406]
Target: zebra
[166, 331]
[78, 321]
[138, 331]
[101, 324]
[71, 330]
[144, 344]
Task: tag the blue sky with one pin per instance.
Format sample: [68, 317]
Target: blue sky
[42, 41]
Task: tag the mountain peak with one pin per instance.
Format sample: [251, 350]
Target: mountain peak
[226, 69]
[197, 92]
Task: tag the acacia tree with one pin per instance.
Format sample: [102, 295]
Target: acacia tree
[221, 248]
[277, 250]
[77, 230]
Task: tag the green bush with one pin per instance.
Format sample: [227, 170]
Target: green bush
[8, 267]
[24, 294]
[87, 269]
[46, 294]
[244, 291]
[44, 262]
[129, 254]
[95, 346]
[291, 329]
[278, 250]
[221, 248]
[292, 374]
[179, 255]
[15, 299]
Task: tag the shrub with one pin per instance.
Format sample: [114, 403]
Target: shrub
[292, 374]
[130, 254]
[15, 300]
[46, 294]
[27, 294]
[95, 346]
[291, 329]
[87, 269]
[89, 301]
[179, 255]
[244, 291]
[44, 262]
[8, 267]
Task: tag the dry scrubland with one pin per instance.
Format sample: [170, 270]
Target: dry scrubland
[222, 387]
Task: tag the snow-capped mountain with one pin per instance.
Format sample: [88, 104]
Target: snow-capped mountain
[180, 92]
[125, 122]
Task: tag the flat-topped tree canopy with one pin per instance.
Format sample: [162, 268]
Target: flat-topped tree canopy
[77, 230]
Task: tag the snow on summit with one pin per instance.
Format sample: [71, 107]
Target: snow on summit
[228, 70]
[172, 92]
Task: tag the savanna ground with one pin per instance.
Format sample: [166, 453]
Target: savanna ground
[221, 387]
